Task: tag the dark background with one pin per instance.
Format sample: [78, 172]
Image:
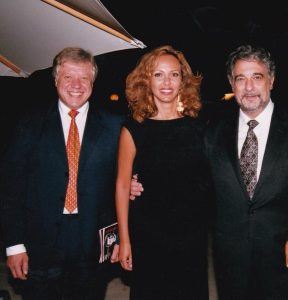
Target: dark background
[206, 31]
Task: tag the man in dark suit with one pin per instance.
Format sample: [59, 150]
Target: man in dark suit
[251, 225]
[51, 248]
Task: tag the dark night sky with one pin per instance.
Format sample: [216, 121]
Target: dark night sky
[206, 31]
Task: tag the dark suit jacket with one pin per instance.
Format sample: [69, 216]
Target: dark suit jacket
[250, 235]
[34, 178]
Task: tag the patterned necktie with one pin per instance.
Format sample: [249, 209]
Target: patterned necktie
[73, 151]
[249, 159]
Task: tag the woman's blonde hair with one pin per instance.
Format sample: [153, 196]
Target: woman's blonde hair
[138, 88]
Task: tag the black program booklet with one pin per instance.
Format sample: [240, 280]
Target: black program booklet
[108, 237]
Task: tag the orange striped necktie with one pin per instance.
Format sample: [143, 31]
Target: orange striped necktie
[73, 151]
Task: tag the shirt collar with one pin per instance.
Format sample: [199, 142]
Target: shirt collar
[64, 109]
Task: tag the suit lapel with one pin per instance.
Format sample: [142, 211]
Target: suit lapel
[54, 134]
[231, 140]
[55, 137]
[272, 156]
[92, 133]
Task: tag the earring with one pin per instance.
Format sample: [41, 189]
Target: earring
[180, 106]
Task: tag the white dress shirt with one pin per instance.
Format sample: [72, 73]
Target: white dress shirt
[261, 131]
[80, 119]
[65, 119]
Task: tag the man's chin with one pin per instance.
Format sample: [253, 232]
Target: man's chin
[251, 104]
[76, 104]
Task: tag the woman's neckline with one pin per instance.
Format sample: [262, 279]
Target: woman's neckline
[165, 120]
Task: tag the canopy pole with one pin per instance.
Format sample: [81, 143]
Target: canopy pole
[10, 65]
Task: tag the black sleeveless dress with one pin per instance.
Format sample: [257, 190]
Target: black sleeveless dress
[167, 223]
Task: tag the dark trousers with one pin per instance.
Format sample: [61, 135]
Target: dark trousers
[70, 276]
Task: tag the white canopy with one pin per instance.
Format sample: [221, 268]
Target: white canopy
[32, 32]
